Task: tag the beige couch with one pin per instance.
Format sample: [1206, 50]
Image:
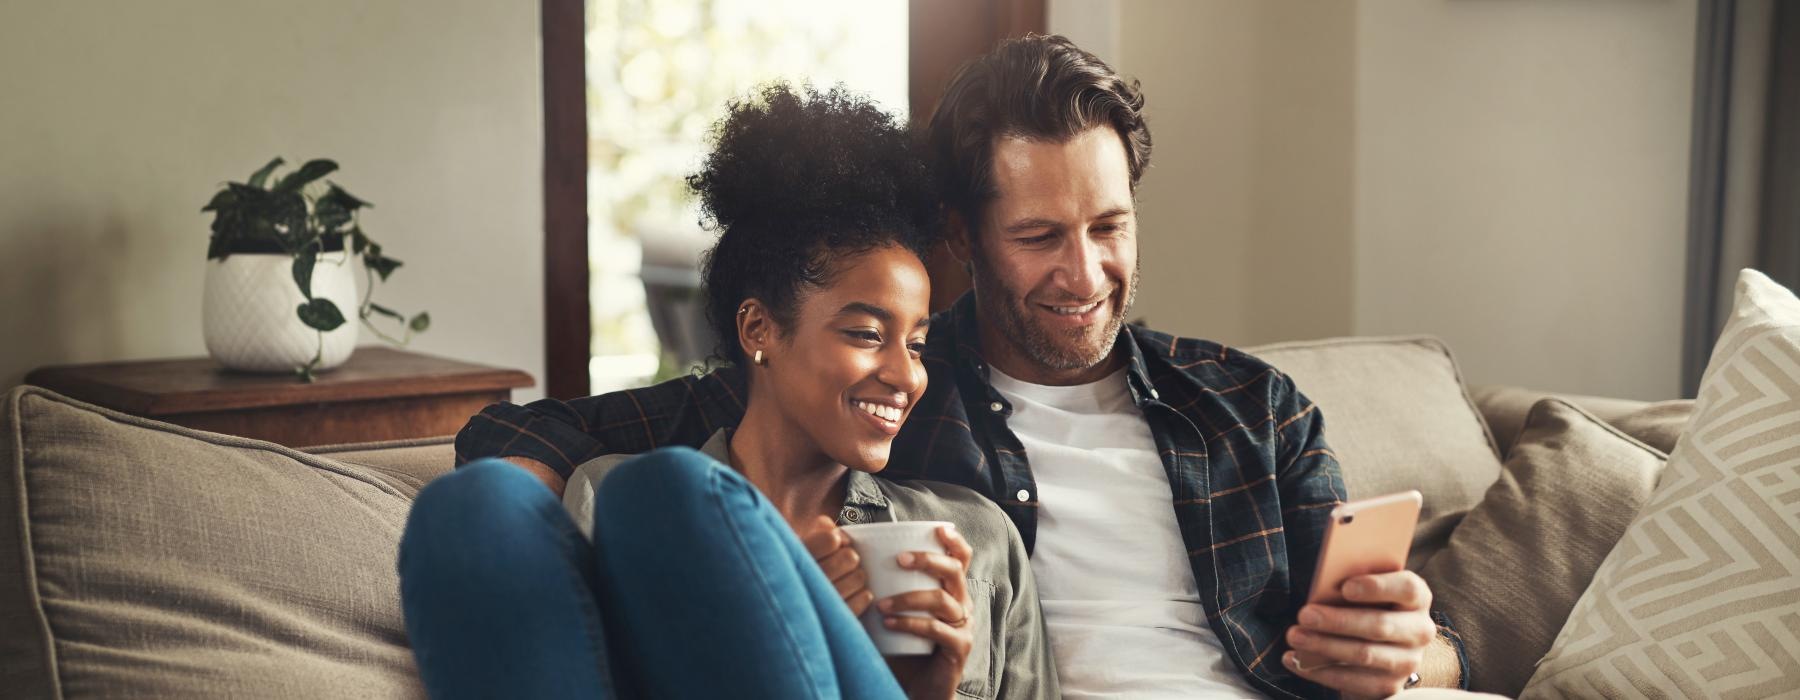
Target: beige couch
[138, 558]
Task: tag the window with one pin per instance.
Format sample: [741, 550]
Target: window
[659, 74]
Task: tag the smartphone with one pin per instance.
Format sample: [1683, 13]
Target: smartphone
[1370, 536]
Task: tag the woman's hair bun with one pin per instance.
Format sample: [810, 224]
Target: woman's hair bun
[797, 179]
[783, 154]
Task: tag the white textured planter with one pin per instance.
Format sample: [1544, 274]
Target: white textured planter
[249, 311]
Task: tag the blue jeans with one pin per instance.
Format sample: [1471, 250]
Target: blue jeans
[694, 586]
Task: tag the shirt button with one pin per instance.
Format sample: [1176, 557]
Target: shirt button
[1154, 395]
[995, 407]
[1024, 495]
[851, 514]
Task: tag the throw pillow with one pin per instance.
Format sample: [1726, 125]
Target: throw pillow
[1702, 595]
[141, 559]
[1520, 559]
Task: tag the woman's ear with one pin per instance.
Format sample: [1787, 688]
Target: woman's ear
[756, 329]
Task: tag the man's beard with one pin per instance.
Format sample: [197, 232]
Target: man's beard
[1072, 349]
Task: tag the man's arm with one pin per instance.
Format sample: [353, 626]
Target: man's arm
[1368, 649]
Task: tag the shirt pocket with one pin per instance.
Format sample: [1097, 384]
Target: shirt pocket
[981, 673]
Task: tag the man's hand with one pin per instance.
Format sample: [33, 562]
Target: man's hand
[1370, 647]
[543, 472]
[830, 547]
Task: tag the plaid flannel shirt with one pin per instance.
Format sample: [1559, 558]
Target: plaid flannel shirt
[1252, 477]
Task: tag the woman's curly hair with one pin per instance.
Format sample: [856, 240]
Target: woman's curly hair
[799, 181]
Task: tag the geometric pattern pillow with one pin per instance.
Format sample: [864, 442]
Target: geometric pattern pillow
[1701, 598]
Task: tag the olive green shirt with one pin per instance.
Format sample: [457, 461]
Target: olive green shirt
[1011, 658]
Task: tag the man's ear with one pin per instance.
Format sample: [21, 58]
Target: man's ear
[957, 236]
[755, 327]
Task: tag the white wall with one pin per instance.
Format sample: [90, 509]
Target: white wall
[121, 119]
[1196, 205]
[1521, 185]
[1510, 176]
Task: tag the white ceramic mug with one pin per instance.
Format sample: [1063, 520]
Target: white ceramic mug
[879, 545]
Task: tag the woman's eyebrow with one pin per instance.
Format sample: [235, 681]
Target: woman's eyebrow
[863, 307]
[880, 314]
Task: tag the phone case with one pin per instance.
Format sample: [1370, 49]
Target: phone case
[1370, 536]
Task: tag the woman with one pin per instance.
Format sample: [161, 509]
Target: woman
[722, 572]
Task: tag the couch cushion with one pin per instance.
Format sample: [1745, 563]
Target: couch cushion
[143, 559]
[1518, 562]
[410, 463]
[1701, 597]
[1398, 418]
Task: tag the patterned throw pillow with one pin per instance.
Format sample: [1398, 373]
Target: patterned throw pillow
[1701, 598]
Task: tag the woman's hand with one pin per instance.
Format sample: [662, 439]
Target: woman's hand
[934, 676]
[830, 547]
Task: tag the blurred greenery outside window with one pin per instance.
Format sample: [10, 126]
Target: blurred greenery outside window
[660, 73]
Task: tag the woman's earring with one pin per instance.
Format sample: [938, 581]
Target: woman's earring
[759, 358]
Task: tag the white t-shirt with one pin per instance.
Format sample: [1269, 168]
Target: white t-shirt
[1123, 612]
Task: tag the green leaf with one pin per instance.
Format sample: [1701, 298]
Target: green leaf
[385, 311]
[321, 314]
[343, 198]
[313, 170]
[419, 323]
[262, 176]
[336, 208]
[224, 199]
[383, 266]
[358, 241]
[303, 269]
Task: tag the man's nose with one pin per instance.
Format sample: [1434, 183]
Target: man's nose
[1082, 275]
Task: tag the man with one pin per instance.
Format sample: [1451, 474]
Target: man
[1085, 430]
[1173, 492]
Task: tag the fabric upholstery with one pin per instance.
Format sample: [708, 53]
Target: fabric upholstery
[1655, 424]
[146, 560]
[1702, 595]
[409, 464]
[1398, 417]
[1520, 559]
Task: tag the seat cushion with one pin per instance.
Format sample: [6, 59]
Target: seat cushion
[1398, 417]
[142, 559]
[1701, 597]
[1518, 562]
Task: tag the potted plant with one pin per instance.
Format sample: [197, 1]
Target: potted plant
[281, 269]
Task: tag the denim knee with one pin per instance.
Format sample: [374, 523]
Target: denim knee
[489, 506]
[674, 482]
[484, 487]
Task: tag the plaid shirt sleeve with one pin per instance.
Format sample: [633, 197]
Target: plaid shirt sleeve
[551, 431]
[1311, 484]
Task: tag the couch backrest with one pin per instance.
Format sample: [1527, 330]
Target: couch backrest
[1398, 417]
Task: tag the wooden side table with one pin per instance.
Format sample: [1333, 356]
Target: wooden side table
[380, 394]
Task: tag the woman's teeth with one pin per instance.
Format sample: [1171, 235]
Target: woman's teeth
[887, 413]
[1074, 310]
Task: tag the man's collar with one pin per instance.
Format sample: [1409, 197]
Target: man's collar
[965, 345]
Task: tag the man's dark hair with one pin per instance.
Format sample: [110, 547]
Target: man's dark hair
[797, 182]
[1040, 88]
